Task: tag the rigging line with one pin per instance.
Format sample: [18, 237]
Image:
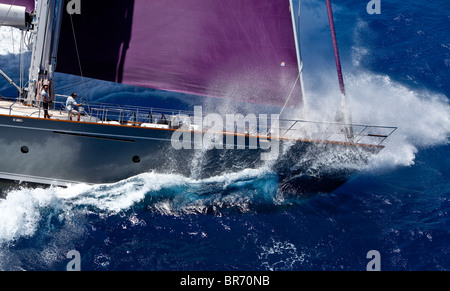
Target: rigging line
[302, 82]
[26, 57]
[345, 111]
[14, 49]
[79, 61]
[21, 70]
[290, 95]
[12, 42]
[72, 86]
[287, 102]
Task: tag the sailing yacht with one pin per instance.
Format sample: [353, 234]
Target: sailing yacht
[244, 50]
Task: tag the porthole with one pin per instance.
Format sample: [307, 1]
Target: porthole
[25, 150]
[136, 159]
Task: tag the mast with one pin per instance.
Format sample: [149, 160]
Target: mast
[345, 112]
[45, 41]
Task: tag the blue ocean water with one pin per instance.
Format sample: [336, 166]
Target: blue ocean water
[397, 73]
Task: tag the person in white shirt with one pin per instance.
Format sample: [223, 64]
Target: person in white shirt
[70, 107]
[45, 101]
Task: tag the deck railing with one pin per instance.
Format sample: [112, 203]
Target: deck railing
[286, 128]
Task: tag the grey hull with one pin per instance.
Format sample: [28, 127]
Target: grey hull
[61, 152]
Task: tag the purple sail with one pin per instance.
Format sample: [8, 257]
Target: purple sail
[238, 49]
[29, 4]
